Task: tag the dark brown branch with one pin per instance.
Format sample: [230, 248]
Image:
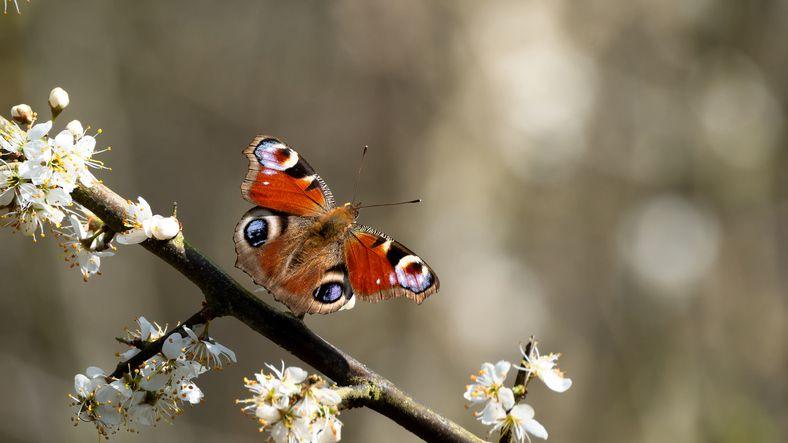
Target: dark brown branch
[226, 297]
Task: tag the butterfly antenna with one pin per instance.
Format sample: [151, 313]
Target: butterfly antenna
[418, 200]
[358, 174]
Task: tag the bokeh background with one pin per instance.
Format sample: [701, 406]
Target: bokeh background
[607, 175]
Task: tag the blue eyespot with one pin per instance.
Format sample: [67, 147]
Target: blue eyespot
[328, 292]
[256, 232]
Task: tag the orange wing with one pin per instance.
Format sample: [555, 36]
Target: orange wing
[381, 268]
[280, 179]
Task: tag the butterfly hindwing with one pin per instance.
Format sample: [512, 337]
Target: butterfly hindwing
[271, 248]
[280, 179]
[381, 268]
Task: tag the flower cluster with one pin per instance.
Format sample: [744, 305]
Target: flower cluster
[155, 390]
[500, 409]
[293, 406]
[39, 172]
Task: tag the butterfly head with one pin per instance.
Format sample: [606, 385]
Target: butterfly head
[351, 209]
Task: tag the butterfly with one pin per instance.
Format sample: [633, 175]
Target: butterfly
[307, 251]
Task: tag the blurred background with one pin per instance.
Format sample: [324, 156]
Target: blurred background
[606, 175]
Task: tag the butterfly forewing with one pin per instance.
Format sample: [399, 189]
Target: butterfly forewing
[381, 268]
[280, 179]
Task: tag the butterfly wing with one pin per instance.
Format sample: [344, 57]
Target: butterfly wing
[280, 179]
[271, 248]
[381, 268]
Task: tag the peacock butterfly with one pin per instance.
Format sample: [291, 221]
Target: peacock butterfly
[308, 252]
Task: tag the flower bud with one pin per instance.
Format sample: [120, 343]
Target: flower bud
[75, 128]
[23, 114]
[58, 100]
[165, 228]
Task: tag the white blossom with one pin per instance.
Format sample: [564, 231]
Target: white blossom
[544, 367]
[207, 351]
[487, 386]
[138, 214]
[519, 420]
[148, 408]
[293, 407]
[81, 248]
[146, 331]
[288, 380]
[97, 401]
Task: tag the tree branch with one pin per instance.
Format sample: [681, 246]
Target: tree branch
[226, 297]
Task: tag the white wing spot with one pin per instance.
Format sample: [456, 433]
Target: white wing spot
[416, 282]
[377, 282]
[268, 152]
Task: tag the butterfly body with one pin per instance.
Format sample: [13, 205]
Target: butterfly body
[334, 224]
[310, 254]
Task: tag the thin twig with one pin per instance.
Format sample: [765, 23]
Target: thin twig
[522, 379]
[226, 297]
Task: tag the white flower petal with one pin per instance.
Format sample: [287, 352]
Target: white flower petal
[522, 412]
[555, 381]
[76, 129]
[535, 428]
[218, 349]
[131, 237]
[327, 396]
[39, 130]
[268, 414]
[6, 197]
[295, 374]
[500, 371]
[64, 140]
[492, 413]
[85, 146]
[94, 372]
[125, 356]
[173, 346]
[506, 397]
[82, 384]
